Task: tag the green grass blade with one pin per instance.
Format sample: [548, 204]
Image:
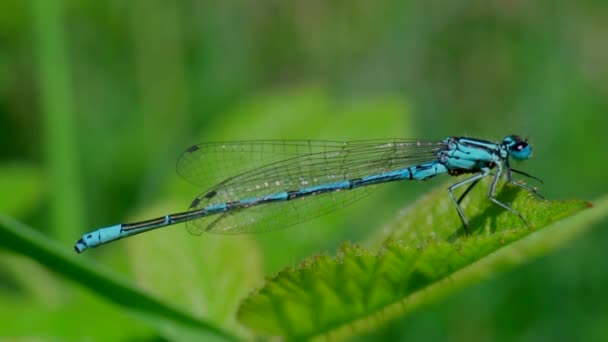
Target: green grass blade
[22, 239]
[423, 258]
[59, 126]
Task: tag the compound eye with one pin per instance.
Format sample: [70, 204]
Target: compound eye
[521, 150]
[520, 146]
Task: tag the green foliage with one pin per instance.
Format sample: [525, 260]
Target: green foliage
[180, 287]
[22, 186]
[26, 241]
[58, 115]
[98, 98]
[297, 113]
[206, 276]
[421, 260]
[416, 259]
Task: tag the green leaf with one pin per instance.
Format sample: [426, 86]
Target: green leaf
[24, 240]
[212, 273]
[423, 255]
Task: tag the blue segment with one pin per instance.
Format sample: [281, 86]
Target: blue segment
[428, 170]
[464, 164]
[281, 196]
[216, 208]
[98, 237]
[80, 246]
[383, 177]
[324, 187]
[248, 201]
[349, 165]
[471, 154]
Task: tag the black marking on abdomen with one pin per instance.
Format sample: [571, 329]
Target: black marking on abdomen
[298, 194]
[292, 194]
[195, 202]
[424, 167]
[180, 217]
[152, 222]
[192, 148]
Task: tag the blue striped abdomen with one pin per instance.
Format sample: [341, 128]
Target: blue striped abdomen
[418, 172]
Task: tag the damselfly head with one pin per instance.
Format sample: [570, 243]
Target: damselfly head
[518, 148]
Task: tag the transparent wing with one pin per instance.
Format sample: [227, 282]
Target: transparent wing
[299, 164]
[209, 163]
[279, 215]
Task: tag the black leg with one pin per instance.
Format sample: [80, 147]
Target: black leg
[473, 180]
[523, 186]
[493, 199]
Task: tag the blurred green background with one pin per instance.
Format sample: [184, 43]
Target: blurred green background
[98, 99]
